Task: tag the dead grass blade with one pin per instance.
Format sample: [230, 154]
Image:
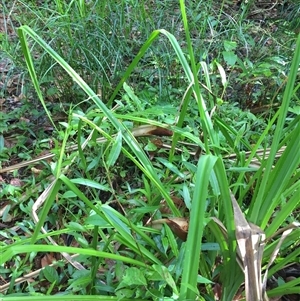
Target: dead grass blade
[251, 241]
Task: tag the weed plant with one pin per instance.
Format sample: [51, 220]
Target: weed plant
[107, 186]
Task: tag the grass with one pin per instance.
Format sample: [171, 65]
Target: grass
[120, 200]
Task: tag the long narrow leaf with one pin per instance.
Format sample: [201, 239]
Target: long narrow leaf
[49, 194]
[15, 250]
[264, 188]
[188, 287]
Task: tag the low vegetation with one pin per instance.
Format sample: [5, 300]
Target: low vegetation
[149, 150]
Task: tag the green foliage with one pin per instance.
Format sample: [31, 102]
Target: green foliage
[106, 185]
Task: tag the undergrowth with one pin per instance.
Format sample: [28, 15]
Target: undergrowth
[170, 159]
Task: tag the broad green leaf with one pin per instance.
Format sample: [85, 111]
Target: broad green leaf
[132, 276]
[165, 274]
[229, 57]
[230, 45]
[51, 274]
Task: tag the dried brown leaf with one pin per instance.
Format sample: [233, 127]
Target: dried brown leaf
[16, 182]
[48, 259]
[178, 225]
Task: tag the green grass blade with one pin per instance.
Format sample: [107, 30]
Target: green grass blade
[264, 187]
[231, 273]
[32, 73]
[282, 215]
[70, 297]
[188, 287]
[133, 64]
[50, 194]
[208, 130]
[280, 178]
[15, 250]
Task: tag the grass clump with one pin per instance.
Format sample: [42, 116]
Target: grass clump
[160, 195]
